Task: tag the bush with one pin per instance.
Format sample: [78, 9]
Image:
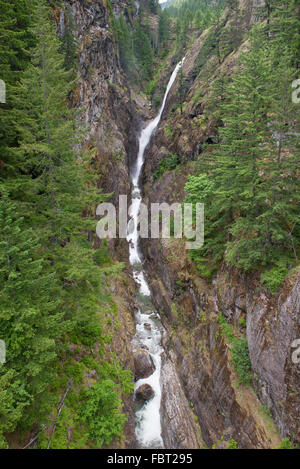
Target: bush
[274, 278]
[240, 352]
[167, 164]
[151, 88]
[102, 256]
[241, 360]
[101, 413]
[232, 444]
[286, 444]
[157, 101]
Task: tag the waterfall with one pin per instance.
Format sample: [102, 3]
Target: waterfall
[149, 328]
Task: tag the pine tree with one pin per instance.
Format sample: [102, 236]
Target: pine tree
[29, 322]
[285, 27]
[14, 41]
[51, 280]
[52, 178]
[163, 29]
[253, 208]
[143, 52]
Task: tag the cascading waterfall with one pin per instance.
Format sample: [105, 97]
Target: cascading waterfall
[149, 328]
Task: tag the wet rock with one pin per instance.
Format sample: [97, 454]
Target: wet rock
[179, 430]
[143, 364]
[144, 393]
[147, 326]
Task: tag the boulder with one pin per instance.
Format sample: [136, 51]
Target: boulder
[144, 392]
[143, 364]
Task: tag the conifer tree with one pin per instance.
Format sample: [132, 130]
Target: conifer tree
[14, 41]
[143, 52]
[30, 324]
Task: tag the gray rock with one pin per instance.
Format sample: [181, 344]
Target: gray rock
[144, 393]
[143, 364]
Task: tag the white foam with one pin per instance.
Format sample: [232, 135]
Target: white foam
[148, 425]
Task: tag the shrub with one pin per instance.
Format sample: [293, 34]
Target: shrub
[101, 413]
[286, 444]
[167, 164]
[232, 444]
[102, 256]
[241, 360]
[273, 278]
[240, 352]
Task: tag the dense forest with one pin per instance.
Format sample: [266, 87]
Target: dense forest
[58, 313]
[249, 180]
[53, 283]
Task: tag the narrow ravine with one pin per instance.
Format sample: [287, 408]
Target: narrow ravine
[149, 328]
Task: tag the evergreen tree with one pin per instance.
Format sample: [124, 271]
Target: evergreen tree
[29, 322]
[253, 209]
[69, 43]
[163, 29]
[14, 40]
[143, 52]
[50, 282]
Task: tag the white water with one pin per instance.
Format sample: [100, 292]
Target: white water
[148, 426]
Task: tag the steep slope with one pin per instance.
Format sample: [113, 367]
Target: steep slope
[192, 306]
[114, 113]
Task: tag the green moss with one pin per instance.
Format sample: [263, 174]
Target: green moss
[232, 444]
[286, 444]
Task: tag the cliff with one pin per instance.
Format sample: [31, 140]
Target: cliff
[192, 306]
[200, 385]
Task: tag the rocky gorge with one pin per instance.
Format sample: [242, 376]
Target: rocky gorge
[202, 403]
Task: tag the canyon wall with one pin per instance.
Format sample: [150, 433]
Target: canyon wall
[197, 354]
[190, 305]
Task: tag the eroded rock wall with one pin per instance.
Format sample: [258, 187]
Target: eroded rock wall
[190, 306]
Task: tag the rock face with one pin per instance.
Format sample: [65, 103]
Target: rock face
[202, 355]
[179, 428]
[190, 305]
[144, 392]
[272, 326]
[143, 364]
[111, 113]
[196, 369]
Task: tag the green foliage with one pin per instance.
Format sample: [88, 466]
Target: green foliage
[274, 277]
[168, 131]
[242, 322]
[240, 352]
[198, 186]
[252, 211]
[241, 360]
[135, 49]
[163, 30]
[100, 411]
[286, 444]
[167, 164]
[15, 38]
[232, 444]
[226, 328]
[102, 256]
[151, 88]
[53, 293]
[198, 14]
[143, 53]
